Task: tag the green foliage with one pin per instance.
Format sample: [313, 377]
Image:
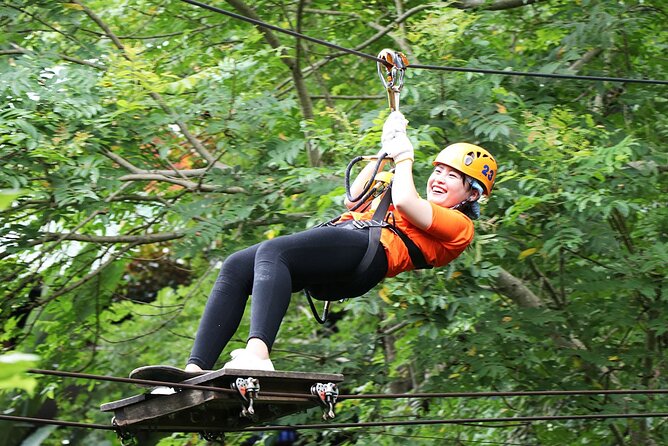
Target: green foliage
[134, 163]
[7, 196]
[12, 375]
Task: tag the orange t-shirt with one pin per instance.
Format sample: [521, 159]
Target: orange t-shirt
[448, 235]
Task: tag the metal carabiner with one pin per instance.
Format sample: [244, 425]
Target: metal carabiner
[391, 73]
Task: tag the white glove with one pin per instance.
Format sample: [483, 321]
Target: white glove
[399, 148]
[395, 124]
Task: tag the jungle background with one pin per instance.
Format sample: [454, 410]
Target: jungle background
[143, 141]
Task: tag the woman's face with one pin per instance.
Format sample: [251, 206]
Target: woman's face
[446, 187]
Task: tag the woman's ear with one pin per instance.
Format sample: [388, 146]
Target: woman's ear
[475, 195]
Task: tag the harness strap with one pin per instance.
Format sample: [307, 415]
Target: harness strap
[375, 231]
[376, 225]
[414, 252]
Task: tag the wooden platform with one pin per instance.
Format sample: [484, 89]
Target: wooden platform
[209, 410]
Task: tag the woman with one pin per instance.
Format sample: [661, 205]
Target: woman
[439, 225]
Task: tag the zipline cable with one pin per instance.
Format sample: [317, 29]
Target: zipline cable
[517, 420]
[362, 395]
[282, 30]
[379, 396]
[538, 74]
[525, 419]
[419, 66]
[459, 421]
[53, 422]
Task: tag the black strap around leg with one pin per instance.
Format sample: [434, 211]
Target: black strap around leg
[375, 231]
[375, 227]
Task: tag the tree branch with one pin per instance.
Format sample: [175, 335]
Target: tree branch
[134, 239]
[550, 288]
[158, 36]
[141, 198]
[134, 169]
[401, 38]
[190, 185]
[12, 52]
[269, 36]
[314, 154]
[332, 12]
[618, 224]
[514, 288]
[585, 59]
[196, 143]
[122, 162]
[100, 23]
[343, 97]
[38, 20]
[23, 51]
[82, 62]
[293, 63]
[86, 278]
[496, 5]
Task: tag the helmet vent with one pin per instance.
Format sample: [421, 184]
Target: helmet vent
[468, 159]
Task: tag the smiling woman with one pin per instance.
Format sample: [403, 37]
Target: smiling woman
[444, 188]
[474, 166]
[342, 258]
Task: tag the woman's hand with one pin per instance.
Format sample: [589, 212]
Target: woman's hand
[399, 148]
[394, 139]
[394, 125]
[404, 195]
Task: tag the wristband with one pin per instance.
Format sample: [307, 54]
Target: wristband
[401, 153]
[405, 159]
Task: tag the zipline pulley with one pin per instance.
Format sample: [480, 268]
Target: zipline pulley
[391, 72]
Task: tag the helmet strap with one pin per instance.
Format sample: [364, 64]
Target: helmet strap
[472, 211]
[473, 186]
[462, 203]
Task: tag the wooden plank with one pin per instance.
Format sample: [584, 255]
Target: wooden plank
[162, 406]
[189, 409]
[108, 407]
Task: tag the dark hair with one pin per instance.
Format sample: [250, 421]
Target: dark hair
[471, 208]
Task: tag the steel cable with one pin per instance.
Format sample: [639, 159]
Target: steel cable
[419, 66]
[469, 421]
[524, 419]
[53, 422]
[459, 421]
[370, 396]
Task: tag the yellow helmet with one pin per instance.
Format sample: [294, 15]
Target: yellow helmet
[471, 160]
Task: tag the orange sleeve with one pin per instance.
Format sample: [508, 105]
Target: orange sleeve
[450, 225]
[446, 238]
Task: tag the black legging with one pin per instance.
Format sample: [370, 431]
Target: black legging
[271, 271]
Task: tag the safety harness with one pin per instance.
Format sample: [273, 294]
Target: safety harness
[375, 226]
[378, 221]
